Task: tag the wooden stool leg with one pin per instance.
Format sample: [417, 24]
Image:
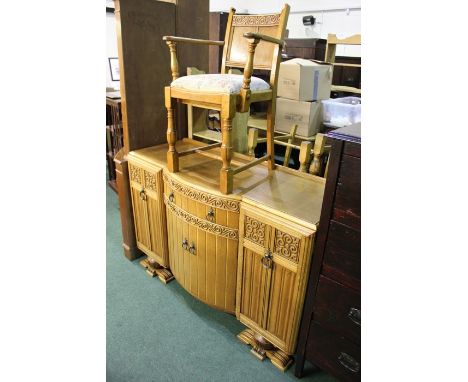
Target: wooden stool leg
[226, 175]
[270, 135]
[172, 155]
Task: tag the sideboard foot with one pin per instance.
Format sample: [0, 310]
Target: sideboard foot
[261, 349]
[155, 270]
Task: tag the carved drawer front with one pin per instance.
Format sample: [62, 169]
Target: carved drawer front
[203, 256]
[338, 308]
[335, 351]
[146, 185]
[273, 274]
[213, 208]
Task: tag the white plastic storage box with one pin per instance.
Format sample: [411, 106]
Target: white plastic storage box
[342, 111]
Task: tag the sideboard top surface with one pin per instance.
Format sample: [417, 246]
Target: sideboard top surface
[289, 192]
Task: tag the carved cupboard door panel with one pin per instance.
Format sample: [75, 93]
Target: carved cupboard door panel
[290, 250]
[146, 186]
[273, 266]
[140, 214]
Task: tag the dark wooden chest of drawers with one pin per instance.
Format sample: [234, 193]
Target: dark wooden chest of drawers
[330, 333]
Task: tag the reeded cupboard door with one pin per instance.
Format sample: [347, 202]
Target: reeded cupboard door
[148, 212]
[273, 265]
[203, 253]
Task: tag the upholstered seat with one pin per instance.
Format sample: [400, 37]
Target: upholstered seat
[218, 83]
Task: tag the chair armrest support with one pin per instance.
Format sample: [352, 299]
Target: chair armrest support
[259, 36]
[192, 40]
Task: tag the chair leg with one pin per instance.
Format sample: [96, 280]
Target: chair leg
[226, 175]
[172, 155]
[271, 135]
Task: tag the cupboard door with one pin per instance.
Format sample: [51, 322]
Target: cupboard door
[254, 286]
[140, 214]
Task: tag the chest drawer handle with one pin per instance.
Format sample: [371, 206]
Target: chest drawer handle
[210, 215]
[349, 362]
[142, 194]
[192, 249]
[171, 197]
[267, 259]
[185, 244]
[355, 315]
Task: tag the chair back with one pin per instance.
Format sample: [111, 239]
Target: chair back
[267, 55]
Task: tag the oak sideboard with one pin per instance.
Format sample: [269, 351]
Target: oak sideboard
[247, 253]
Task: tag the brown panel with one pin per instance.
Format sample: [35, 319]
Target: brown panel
[342, 259]
[218, 21]
[338, 308]
[352, 149]
[334, 354]
[144, 69]
[347, 208]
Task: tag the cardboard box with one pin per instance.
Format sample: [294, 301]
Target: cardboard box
[307, 116]
[304, 80]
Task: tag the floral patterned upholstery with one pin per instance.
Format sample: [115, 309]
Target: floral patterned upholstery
[218, 83]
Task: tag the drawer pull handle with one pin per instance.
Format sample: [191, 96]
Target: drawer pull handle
[210, 215]
[185, 244]
[171, 197]
[142, 194]
[349, 362]
[355, 315]
[267, 259]
[192, 249]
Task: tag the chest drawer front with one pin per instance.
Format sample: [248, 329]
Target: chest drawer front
[347, 206]
[342, 257]
[335, 354]
[338, 308]
[210, 207]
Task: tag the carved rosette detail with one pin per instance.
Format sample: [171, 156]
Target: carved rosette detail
[150, 181]
[135, 174]
[205, 225]
[252, 20]
[203, 197]
[254, 231]
[287, 246]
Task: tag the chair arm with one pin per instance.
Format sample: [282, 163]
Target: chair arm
[264, 37]
[192, 40]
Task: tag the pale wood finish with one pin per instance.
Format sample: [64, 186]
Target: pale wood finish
[319, 154]
[274, 258]
[247, 253]
[251, 42]
[146, 184]
[330, 52]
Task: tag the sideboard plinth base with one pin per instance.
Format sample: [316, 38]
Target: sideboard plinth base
[155, 270]
[261, 349]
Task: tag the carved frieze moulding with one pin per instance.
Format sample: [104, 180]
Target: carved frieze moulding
[203, 197]
[205, 225]
[251, 20]
[135, 174]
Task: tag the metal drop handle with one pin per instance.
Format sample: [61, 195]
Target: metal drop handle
[354, 315]
[142, 194]
[192, 249]
[267, 259]
[171, 197]
[349, 362]
[210, 215]
[185, 244]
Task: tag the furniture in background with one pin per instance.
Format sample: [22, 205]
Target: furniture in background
[114, 135]
[218, 24]
[315, 160]
[308, 48]
[330, 333]
[247, 253]
[245, 36]
[143, 62]
[332, 42]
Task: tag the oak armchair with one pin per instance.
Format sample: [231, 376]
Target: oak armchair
[251, 42]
